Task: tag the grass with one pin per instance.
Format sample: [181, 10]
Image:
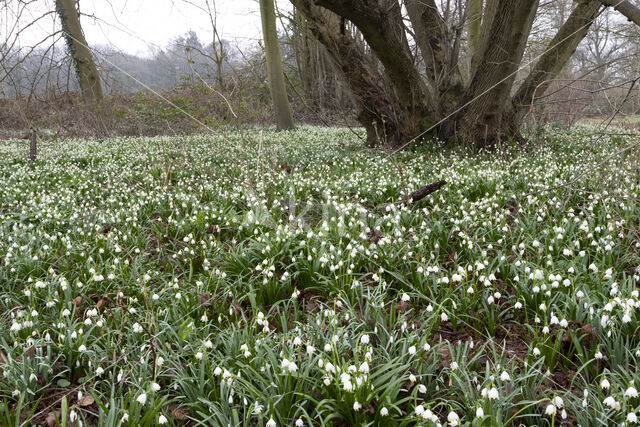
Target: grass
[235, 279]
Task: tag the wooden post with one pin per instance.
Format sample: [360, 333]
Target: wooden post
[33, 147]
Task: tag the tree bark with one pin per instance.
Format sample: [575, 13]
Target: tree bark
[382, 27]
[275, 72]
[489, 90]
[86, 70]
[375, 96]
[474, 24]
[442, 71]
[558, 53]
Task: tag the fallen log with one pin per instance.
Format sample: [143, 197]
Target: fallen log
[423, 192]
[414, 197]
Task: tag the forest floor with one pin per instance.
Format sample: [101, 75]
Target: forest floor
[241, 279]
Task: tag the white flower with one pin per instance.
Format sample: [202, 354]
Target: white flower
[412, 350]
[453, 418]
[422, 389]
[479, 413]
[356, 406]
[155, 386]
[605, 384]
[299, 422]
[271, 423]
[364, 339]
[504, 376]
[610, 402]
[493, 394]
[632, 417]
[142, 399]
[405, 297]
[257, 408]
[162, 419]
[631, 392]
[551, 409]
[384, 411]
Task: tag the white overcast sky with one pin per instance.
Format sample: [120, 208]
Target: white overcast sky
[139, 26]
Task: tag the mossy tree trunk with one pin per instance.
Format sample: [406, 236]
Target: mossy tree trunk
[86, 69]
[275, 71]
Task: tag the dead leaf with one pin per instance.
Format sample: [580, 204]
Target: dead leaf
[87, 400]
[403, 307]
[179, 412]
[31, 352]
[205, 299]
[52, 418]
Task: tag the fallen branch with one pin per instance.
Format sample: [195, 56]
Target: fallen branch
[423, 192]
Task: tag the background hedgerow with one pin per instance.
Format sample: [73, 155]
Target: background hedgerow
[242, 278]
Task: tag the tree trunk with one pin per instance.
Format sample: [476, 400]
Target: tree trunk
[86, 70]
[275, 72]
[380, 113]
[382, 27]
[489, 91]
[549, 65]
[474, 24]
[404, 95]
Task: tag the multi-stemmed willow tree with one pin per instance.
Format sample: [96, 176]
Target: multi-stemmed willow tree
[420, 71]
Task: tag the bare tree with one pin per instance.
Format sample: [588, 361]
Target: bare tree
[86, 69]
[275, 72]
